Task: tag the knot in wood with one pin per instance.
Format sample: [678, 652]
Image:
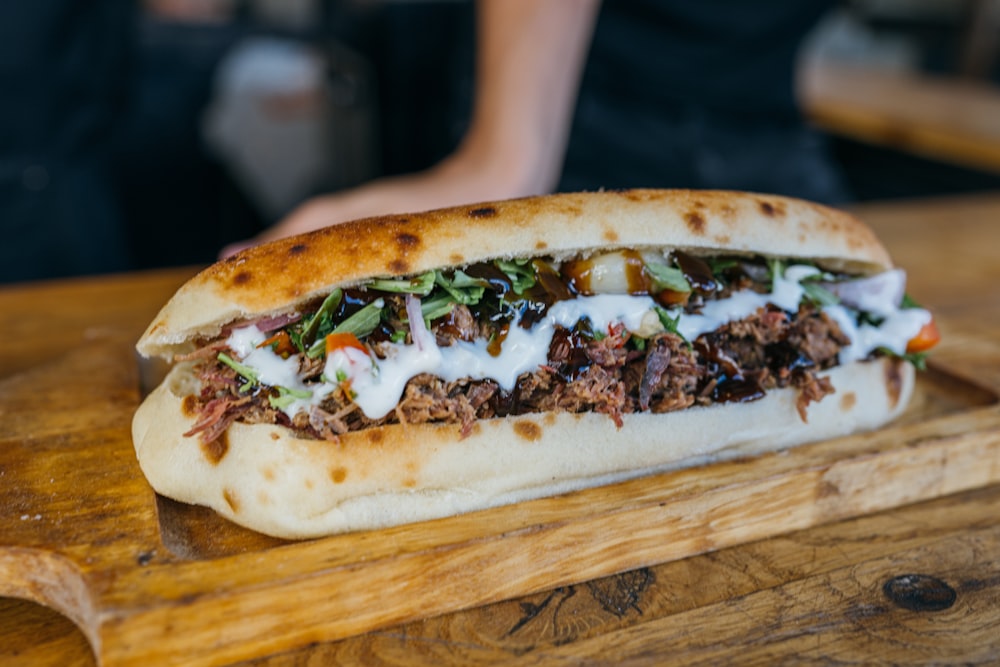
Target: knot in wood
[919, 592]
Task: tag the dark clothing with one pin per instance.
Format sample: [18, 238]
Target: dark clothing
[675, 93]
[63, 72]
[699, 95]
[102, 167]
[729, 56]
[688, 147]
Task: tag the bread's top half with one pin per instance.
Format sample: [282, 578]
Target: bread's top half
[280, 276]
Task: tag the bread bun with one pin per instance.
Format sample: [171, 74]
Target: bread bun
[267, 478]
[276, 278]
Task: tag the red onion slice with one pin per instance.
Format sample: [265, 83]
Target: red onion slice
[880, 294]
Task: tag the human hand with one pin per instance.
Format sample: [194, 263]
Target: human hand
[530, 58]
[466, 177]
[414, 192]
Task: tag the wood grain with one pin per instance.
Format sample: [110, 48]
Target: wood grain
[95, 552]
[794, 548]
[940, 118]
[818, 607]
[40, 637]
[760, 603]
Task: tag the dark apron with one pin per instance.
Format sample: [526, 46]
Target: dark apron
[699, 95]
[63, 77]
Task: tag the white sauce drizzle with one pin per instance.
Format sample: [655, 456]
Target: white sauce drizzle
[892, 333]
[377, 385]
[274, 371]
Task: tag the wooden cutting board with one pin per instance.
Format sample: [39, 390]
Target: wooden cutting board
[154, 582]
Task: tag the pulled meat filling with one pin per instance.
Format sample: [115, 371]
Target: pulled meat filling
[613, 374]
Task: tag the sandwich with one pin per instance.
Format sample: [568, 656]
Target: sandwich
[414, 367]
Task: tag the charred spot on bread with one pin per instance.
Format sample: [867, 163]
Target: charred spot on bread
[338, 475]
[412, 473]
[772, 209]
[298, 249]
[230, 497]
[216, 450]
[407, 240]
[695, 221]
[189, 406]
[893, 380]
[634, 195]
[610, 235]
[855, 242]
[483, 212]
[242, 278]
[848, 401]
[528, 430]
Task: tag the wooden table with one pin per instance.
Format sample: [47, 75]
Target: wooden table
[950, 120]
[918, 583]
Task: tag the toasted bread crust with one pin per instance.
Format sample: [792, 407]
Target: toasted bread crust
[268, 479]
[279, 276]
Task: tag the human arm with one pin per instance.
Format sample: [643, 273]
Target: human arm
[530, 57]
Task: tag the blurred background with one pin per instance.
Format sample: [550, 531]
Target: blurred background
[231, 112]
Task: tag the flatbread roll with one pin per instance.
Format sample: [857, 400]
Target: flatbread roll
[675, 328]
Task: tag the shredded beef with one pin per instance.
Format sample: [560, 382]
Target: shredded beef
[658, 356]
[275, 322]
[817, 337]
[608, 375]
[811, 388]
[459, 324]
[311, 368]
[217, 414]
[609, 351]
[667, 377]
[427, 399]
[204, 352]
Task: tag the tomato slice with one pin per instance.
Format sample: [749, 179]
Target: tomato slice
[926, 338]
[339, 341]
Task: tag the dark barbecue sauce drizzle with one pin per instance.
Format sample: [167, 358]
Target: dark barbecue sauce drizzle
[718, 369]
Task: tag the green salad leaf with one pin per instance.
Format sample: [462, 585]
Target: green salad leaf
[320, 323]
[287, 396]
[247, 373]
[360, 324]
[462, 288]
[520, 272]
[420, 285]
[666, 277]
